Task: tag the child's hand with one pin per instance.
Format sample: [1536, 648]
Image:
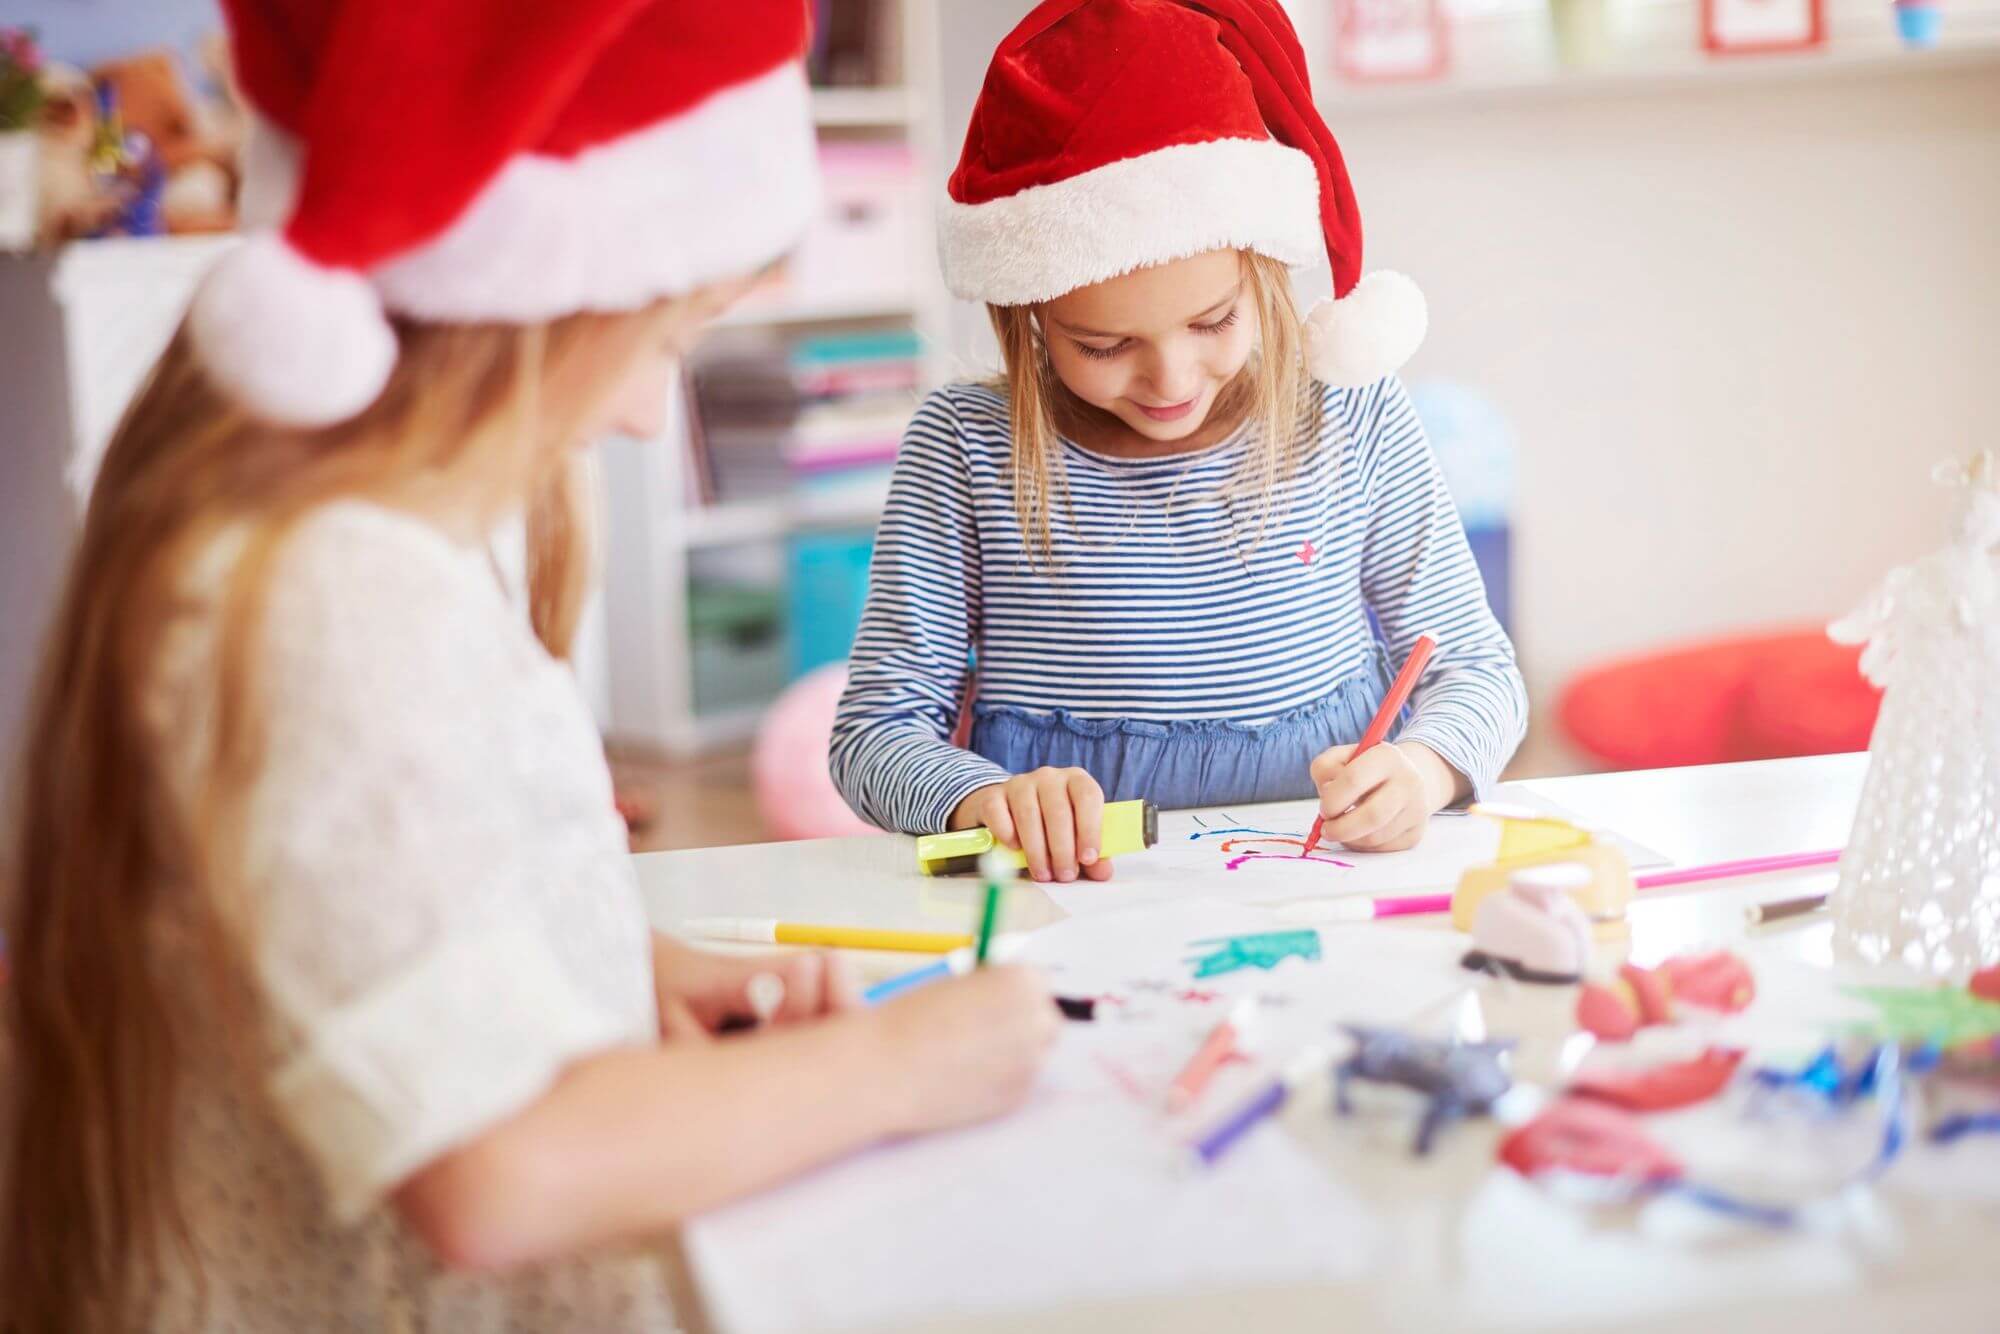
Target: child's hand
[1381, 801]
[1055, 816]
[701, 992]
[966, 1049]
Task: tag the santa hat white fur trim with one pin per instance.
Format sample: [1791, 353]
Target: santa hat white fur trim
[294, 343]
[714, 193]
[1041, 242]
[1368, 333]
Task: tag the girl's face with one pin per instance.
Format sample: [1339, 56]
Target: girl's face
[1154, 347]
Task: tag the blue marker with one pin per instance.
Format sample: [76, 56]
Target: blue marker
[958, 962]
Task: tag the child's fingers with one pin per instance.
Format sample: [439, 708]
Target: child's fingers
[1086, 798]
[1403, 832]
[1099, 870]
[1000, 820]
[1371, 814]
[1328, 763]
[804, 978]
[1058, 823]
[843, 985]
[1025, 807]
[677, 1022]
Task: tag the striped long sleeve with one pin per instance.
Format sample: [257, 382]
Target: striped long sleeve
[1173, 597]
[891, 755]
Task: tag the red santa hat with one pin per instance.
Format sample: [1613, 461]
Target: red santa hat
[474, 161]
[1115, 134]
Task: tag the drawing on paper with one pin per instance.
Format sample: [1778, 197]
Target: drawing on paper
[1264, 949]
[1243, 845]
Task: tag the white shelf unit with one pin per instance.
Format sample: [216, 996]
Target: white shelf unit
[654, 535]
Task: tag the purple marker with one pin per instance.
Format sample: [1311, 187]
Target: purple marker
[1261, 1104]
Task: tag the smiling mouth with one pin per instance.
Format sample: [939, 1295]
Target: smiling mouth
[1172, 412]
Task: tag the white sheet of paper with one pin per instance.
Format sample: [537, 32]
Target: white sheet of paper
[1255, 859]
[1084, 1194]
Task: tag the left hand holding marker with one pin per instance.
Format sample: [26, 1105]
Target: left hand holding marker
[1382, 799]
[701, 993]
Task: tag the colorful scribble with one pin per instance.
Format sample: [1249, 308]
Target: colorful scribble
[1265, 949]
[1235, 838]
[1199, 996]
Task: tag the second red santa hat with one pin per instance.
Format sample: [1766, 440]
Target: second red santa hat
[1112, 135]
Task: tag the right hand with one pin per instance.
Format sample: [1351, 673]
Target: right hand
[968, 1048]
[1055, 816]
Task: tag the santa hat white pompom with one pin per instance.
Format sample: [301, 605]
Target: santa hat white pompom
[1368, 333]
[293, 342]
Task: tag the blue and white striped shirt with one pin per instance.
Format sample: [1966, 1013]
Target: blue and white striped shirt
[1158, 606]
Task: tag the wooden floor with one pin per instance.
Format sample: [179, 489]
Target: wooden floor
[708, 802]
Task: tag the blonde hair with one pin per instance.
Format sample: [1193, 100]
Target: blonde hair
[476, 417]
[1270, 389]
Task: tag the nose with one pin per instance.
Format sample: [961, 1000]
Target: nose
[1174, 372]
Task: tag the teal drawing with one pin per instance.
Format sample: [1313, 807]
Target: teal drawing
[1266, 950]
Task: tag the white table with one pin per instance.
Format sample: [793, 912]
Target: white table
[1480, 1249]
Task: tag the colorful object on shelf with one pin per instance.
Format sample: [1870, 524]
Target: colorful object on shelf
[1128, 827]
[1457, 1079]
[1918, 22]
[826, 586]
[1385, 717]
[795, 794]
[1757, 27]
[1663, 1087]
[1528, 838]
[1590, 1138]
[1920, 883]
[1533, 930]
[1265, 950]
[1642, 997]
[1946, 1016]
[1745, 698]
[1390, 41]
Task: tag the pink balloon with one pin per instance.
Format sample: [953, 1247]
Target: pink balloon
[788, 768]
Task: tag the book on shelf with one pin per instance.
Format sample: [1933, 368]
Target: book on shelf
[802, 417]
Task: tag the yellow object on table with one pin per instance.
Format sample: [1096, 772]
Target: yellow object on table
[1536, 840]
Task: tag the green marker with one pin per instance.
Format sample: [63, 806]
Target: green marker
[996, 870]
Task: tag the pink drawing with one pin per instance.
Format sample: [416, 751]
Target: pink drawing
[1198, 996]
[1230, 845]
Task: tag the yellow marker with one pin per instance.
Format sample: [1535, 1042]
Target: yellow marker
[1129, 826]
[769, 931]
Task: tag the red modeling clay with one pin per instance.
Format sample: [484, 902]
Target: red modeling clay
[1577, 1135]
[1676, 1084]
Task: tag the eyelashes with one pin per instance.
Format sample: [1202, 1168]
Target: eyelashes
[1107, 353]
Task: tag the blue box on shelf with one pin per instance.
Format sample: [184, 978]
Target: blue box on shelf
[827, 584]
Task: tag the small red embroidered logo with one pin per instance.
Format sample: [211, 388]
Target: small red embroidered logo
[1307, 552]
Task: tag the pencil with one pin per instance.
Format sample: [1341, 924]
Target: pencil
[1385, 717]
[1780, 909]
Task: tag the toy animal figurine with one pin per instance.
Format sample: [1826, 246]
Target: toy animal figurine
[1458, 1079]
[1533, 931]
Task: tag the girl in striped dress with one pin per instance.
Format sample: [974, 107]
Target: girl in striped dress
[1184, 538]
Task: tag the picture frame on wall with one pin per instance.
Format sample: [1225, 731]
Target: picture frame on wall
[1389, 41]
[1750, 27]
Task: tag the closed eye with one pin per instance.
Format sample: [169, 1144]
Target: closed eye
[1225, 322]
[1103, 353]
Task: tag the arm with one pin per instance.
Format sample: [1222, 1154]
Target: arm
[636, 1139]
[891, 756]
[1417, 572]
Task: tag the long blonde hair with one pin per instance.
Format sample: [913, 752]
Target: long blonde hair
[473, 416]
[1270, 389]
